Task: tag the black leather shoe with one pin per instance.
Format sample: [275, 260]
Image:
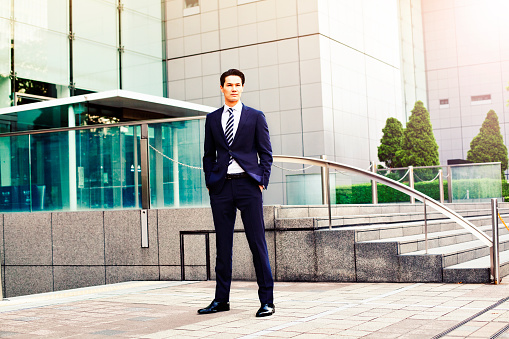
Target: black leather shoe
[266, 310]
[214, 307]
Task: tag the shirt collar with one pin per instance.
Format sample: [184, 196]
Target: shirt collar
[236, 108]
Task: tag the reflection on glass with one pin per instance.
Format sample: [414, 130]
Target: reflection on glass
[387, 194]
[35, 174]
[5, 92]
[352, 188]
[142, 33]
[43, 118]
[47, 14]
[148, 7]
[14, 174]
[49, 171]
[95, 66]
[5, 10]
[142, 74]
[5, 47]
[191, 3]
[108, 172]
[174, 185]
[306, 189]
[41, 54]
[476, 183]
[101, 29]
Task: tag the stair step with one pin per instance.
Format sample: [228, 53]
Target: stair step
[417, 242]
[462, 252]
[353, 220]
[475, 270]
[397, 232]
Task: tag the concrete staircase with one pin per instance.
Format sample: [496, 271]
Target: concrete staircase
[389, 241]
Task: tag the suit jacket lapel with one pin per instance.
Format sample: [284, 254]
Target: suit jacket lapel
[243, 118]
[219, 126]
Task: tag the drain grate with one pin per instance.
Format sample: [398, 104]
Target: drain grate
[449, 330]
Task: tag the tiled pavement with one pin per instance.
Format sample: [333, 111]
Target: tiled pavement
[151, 309]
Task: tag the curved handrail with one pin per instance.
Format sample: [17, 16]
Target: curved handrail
[397, 186]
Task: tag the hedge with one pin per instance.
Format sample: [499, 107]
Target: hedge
[361, 193]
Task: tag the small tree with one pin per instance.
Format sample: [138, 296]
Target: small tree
[488, 145]
[390, 142]
[418, 147]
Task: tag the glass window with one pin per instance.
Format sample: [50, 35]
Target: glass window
[5, 63]
[107, 166]
[5, 47]
[480, 99]
[149, 7]
[5, 91]
[48, 14]
[191, 7]
[242, 2]
[103, 28]
[49, 171]
[15, 174]
[5, 9]
[141, 73]
[95, 66]
[41, 54]
[174, 185]
[191, 3]
[142, 34]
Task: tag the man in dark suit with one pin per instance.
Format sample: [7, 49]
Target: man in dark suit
[237, 161]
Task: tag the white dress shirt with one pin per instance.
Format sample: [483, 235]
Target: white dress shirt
[234, 167]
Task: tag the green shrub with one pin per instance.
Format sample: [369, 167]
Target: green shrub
[478, 189]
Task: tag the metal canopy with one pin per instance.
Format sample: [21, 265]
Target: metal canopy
[123, 99]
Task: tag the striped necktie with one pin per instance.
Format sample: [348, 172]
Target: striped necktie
[228, 132]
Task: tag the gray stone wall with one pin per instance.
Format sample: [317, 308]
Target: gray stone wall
[43, 252]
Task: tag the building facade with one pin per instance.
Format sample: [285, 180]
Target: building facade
[326, 73]
[54, 49]
[467, 70]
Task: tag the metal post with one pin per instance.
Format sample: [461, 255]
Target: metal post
[182, 263]
[425, 227]
[326, 189]
[324, 181]
[144, 228]
[1, 285]
[411, 181]
[441, 183]
[176, 175]
[145, 188]
[494, 249]
[374, 188]
[449, 183]
[207, 254]
[135, 168]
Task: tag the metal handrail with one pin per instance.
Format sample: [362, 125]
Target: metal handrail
[487, 240]
[439, 166]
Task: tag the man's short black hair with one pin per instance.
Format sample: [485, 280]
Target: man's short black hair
[232, 71]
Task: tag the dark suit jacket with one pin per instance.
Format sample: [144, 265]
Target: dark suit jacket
[251, 148]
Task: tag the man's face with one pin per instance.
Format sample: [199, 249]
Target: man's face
[232, 89]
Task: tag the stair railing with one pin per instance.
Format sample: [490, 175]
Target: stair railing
[414, 194]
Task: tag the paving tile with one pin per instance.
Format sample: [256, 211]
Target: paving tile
[168, 310]
[108, 332]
